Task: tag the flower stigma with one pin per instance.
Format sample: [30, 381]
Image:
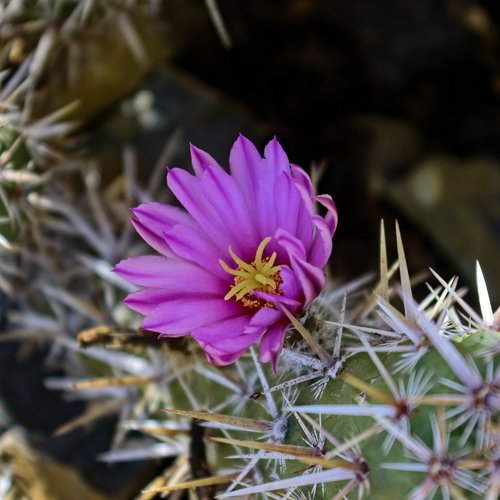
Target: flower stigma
[261, 275]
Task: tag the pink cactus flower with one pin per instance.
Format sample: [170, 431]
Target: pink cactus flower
[248, 244]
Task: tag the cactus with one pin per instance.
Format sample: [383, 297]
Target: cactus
[43, 100]
[370, 397]
[375, 393]
[383, 398]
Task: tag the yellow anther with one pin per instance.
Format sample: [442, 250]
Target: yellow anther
[260, 250]
[234, 272]
[261, 275]
[269, 264]
[261, 279]
[241, 263]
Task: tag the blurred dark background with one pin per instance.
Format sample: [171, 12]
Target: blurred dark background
[397, 99]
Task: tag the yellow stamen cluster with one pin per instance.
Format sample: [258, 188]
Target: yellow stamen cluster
[261, 275]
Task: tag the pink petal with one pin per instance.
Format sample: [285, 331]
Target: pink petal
[310, 278]
[201, 160]
[292, 212]
[262, 320]
[144, 301]
[305, 228]
[301, 177]
[227, 331]
[229, 203]
[245, 160]
[288, 203]
[153, 219]
[225, 338]
[276, 157]
[331, 216]
[307, 199]
[256, 181]
[219, 358]
[291, 303]
[188, 190]
[181, 316]
[176, 275]
[290, 286]
[321, 247]
[292, 294]
[193, 245]
[272, 343]
[290, 244]
[159, 217]
[153, 239]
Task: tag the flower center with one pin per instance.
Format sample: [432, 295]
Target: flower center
[261, 275]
